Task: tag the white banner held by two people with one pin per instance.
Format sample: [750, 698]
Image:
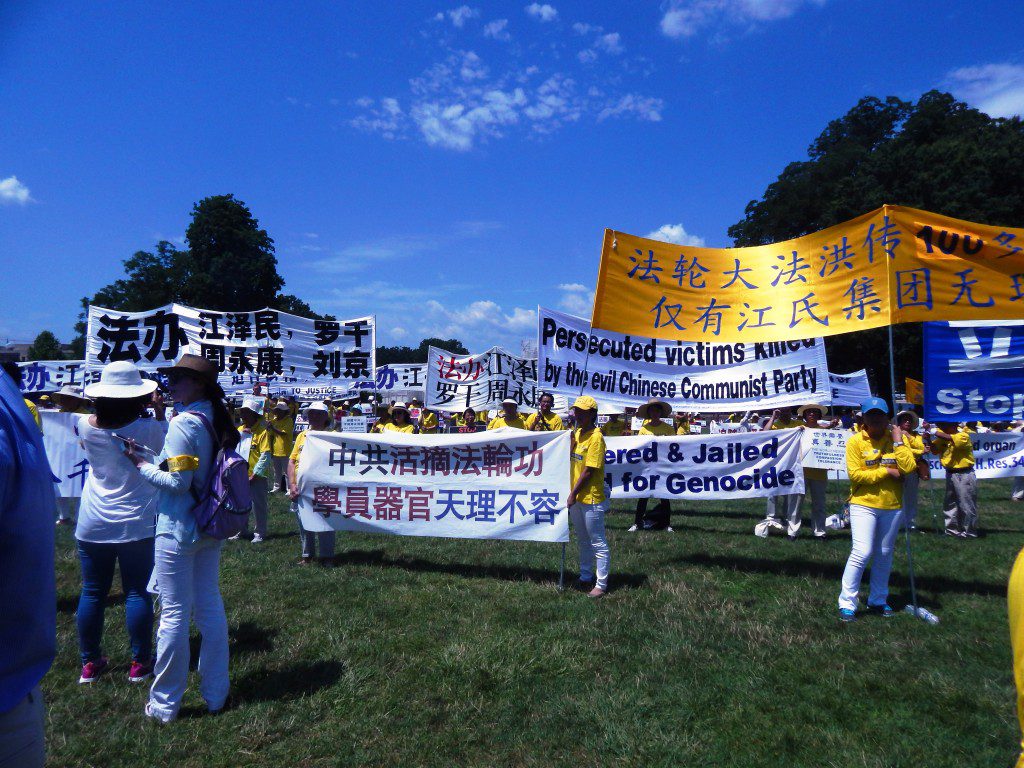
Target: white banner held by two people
[51, 375]
[698, 467]
[623, 371]
[269, 347]
[503, 484]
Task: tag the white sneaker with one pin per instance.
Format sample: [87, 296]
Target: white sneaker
[257, 539]
[236, 537]
[632, 528]
[670, 529]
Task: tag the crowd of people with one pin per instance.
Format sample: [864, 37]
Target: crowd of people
[147, 468]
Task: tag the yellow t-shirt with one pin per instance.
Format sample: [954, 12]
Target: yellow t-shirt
[870, 482]
[500, 421]
[588, 451]
[392, 427]
[483, 417]
[552, 420]
[683, 427]
[298, 445]
[35, 413]
[661, 429]
[915, 443]
[958, 453]
[260, 443]
[378, 426]
[783, 424]
[281, 445]
[1015, 603]
[614, 428]
[428, 422]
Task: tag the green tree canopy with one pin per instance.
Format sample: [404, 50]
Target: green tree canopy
[45, 347]
[939, 155]
[403, 354]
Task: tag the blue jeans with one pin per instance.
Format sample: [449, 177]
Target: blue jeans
[136, 561]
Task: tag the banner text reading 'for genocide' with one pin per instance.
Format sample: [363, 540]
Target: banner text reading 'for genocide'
[502, 484]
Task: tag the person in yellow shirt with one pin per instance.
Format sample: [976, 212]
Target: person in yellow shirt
[383, 419]
[509, 416]
[653, 411]
[614, 427]
[587, 501]
[281, 426]
[319, 421]
[908, 422]
[815, 479]
[544, 420]
[466, 420]
[255, 448]
[682, 422]
[782, 418]
[1015, 606]
[953, 445]
[876, 461]
[427, 422]
[399, 420]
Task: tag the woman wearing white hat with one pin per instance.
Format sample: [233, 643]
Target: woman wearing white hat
[815, 479]
[117, 517]
[319, 421]
[399, 420]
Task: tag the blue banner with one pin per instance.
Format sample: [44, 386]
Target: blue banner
[974, 371]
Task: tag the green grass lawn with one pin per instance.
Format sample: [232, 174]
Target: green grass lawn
[714, 648]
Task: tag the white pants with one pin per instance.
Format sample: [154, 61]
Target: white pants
[187, 580]
[22, 731]
[280, 473]
[588, 520]
[1018, 488]
[874, 536]
[911, 483]
[817, 490]
[790, 504]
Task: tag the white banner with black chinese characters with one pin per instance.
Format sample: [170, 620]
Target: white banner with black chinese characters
[67, 457]
[503, 484]
[848, 388]
[269, 347]
[996, 454]
[705, 466]
[624, 371]
[398, 377]
[51, 375]
[481, 382]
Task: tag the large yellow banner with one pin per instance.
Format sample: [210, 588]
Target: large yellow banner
[893, 265]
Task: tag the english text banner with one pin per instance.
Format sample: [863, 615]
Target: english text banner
[849, 388]
[503, 484]
[624, 371]
[893, 265]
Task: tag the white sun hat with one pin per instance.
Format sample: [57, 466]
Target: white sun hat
[120, 379]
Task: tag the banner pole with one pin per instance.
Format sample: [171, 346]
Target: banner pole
[561, 571]
[906, 528]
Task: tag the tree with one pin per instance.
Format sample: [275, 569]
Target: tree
[45, 347]
[938, 154]
[403, 354]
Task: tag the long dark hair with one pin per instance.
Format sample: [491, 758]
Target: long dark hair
[223, 422]
[113, 412]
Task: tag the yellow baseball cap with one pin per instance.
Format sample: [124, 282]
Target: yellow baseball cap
[586, 403]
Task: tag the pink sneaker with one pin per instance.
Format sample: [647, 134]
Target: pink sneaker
[91, 670]
[140, 671]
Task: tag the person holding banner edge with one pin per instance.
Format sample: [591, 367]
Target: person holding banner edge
[544, 420]
[815, 479]
[510, 416]
[587, 502]
[653, 411]
[876, 461]
[908, 422]
[782, 418]
[319, 421]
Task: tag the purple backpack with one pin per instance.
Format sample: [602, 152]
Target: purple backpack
[222, 508]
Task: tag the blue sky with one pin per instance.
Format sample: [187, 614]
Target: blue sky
[446, 167]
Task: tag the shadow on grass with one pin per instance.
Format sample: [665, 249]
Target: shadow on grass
[926, 583]
[70, 604]
[470, 571]
[244, 639]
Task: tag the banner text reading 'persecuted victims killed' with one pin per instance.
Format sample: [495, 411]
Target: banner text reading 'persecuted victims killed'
[735, 466]
[502, 484]
[893, 265]
[574, 359]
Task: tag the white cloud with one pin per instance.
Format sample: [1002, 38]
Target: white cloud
[458, 16]
[645, 108]
[541, 12]
[385, 117]
[576, 299]
[685, 18]
[477, 319]
[587, 56]
[581, 28]
[13, 192]
[398, 332]
[610, 43]
[675, 233]
[497, 29]
[996, 89]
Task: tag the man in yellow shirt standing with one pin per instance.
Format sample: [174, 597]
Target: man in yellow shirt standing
[876, 461]
[953, 445]
[653, 411]
[544, 420]
[509, 416]
[587, 502]
[614, 427]
[782, 418]
[255, 448]
[281, 425]
[427, 421]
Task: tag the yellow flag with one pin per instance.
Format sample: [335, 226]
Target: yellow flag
[915, 391]
[893, 265]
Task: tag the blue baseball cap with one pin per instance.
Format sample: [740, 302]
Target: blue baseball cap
[874, 404]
